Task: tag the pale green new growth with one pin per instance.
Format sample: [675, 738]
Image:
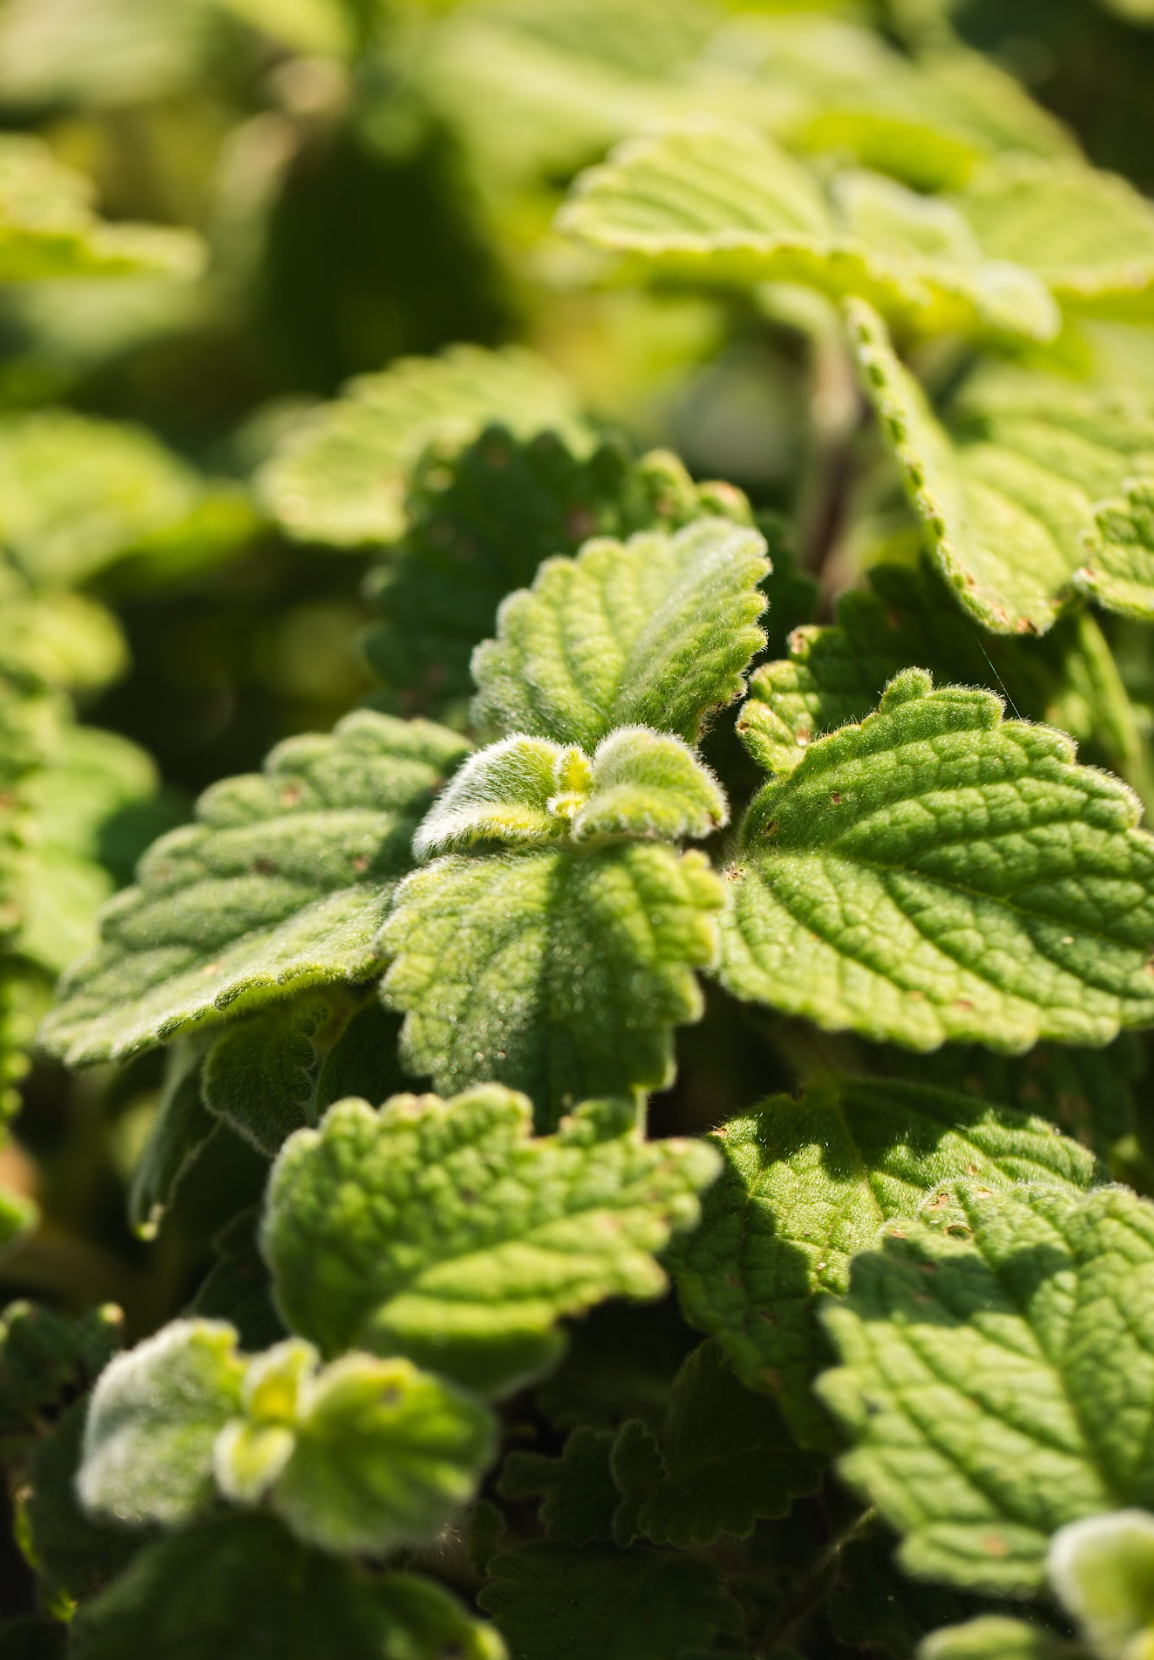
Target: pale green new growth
[339, 476]
[281, 884]
[48, 228]
[440, 1230]
[938, 873]
[530, 791]
[153, 1420]
[808, 1183]
[357, 1457]
[997, 1375]
[1088, 234]
[1102, 1571]
[559, 971]
[721, 203]
[1006, 494]
[1119, 555]
[656, 631]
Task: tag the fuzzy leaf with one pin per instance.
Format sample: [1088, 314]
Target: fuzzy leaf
[1006, 493]
[997, 1375]
[178, 1135]
[238, 1586]
[996, 1637]
[656, 631]
[1088, 234]
[48, 228]
[836, 673]
[530, 791]
[721, 203]
[560, 972]
[281, 884]
[358, 1458]
[338, 477]
[937, 873]
[1119, 569]
[441, 1231]
[556, 1603]
[1102, 1572]
[480, 521]
[722, 1459]
[152, 1422]
[808, 1183]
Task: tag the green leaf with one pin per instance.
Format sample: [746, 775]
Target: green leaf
[358, 1458]
[442, 1231]
[721, 203]
[997, 1375]
[556, 1603]
[835, 674]
[1119, 568]
[237, 1586]
[578, 1490]
[1006, 492]
[531, 792]
[70, 1552]
[238, 1286]
[338, 477]
[657, 631]
[152, 1423]
[1102, 1571]
[178, 1135]
[874, 1606]
[280, 885]
[557, 971]
[936, 873]
[807, 1183]
[48, 228]
[996, 1637]
[722, 1460]
[79, 493]
[261, 1074]
[45, 1357]
[1088, 234]
[482, 517]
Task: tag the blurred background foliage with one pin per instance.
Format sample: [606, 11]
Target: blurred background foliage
[373, 179]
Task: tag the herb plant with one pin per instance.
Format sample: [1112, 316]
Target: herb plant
[573, 1034]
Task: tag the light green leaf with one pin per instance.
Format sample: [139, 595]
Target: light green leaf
[78, 493]
[1119, 568]
[48, 227]
[261, 1074]
[358, 1458]
[1006, 493]
[1089, 235]
[996, 1637]
[835, 674]
[722, 1459]
[482, 517]
[101, 54]
[721, 203]
[997, 1375]
[808, 1182]
[152, 1423]
[656, 631]
[281, 884]
[240, 1585]
[529, 791]
[1102, 1571]
[338, 477]
[63, 639]
[560, 972]
[936, 873]
[441, 1231]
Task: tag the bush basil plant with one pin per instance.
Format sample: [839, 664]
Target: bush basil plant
[576, 923]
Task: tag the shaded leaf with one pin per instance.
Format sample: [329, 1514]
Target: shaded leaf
[1119, 568]
[577, 1489]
